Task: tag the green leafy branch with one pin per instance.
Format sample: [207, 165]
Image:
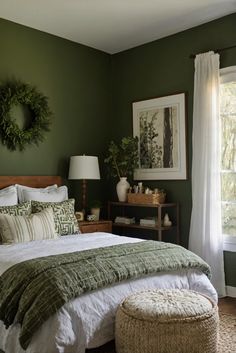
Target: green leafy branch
[123, 158]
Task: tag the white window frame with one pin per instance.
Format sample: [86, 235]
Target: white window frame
[228, 74]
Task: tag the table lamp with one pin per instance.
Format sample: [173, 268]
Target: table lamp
[84, 168]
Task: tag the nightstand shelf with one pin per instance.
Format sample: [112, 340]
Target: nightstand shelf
[123, 207]
[138, 226]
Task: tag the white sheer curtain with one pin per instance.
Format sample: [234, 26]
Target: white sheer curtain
[205, 237]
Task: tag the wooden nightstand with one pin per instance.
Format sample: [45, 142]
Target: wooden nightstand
[154, 210]
[95, 226]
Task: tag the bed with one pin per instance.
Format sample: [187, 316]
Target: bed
[88, 320]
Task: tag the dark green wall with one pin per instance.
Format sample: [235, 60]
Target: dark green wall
[230, 268]
[76, 79]
[160, 68]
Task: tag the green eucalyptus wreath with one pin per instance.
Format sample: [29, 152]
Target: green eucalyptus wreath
[14, 93]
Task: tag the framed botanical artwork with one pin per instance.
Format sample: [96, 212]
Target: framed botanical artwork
[159, 124]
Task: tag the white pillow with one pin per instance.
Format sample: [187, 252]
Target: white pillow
[47, 195]
[8, 196]
[22, 188]
[37, 226]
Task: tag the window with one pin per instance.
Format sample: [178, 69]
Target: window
[228, 156]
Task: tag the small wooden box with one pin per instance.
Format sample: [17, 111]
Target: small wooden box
[145, 199]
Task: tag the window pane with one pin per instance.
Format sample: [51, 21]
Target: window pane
[228, 186]
[228, 157]
[229, 219]
[228, 121]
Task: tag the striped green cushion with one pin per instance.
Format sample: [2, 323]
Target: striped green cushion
[17, 229]
[23, 209]
[64, 215]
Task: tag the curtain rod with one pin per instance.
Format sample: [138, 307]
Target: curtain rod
[193, 56]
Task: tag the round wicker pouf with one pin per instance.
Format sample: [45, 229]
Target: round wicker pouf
[167, 321]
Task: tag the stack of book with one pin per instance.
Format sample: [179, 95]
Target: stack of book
[125, 220]
[149, 221]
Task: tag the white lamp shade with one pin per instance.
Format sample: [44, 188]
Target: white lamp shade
[84, 167]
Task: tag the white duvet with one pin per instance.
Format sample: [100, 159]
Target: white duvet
[87, 321]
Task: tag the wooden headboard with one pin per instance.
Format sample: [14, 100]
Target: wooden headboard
[32, 181]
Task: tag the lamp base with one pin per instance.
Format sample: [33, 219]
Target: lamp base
[84, 188]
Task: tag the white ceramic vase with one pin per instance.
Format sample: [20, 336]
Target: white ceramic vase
[122, 188]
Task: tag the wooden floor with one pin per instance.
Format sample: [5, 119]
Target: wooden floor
[227, 305]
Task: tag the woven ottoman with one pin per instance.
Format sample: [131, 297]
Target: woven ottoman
[167, 321]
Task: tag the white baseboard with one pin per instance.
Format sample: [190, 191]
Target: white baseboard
[231, 291]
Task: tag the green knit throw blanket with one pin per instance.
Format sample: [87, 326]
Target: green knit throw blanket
[33, 290]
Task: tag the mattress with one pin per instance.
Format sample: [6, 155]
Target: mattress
[87, 321]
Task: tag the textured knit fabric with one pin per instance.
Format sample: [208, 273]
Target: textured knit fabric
[166, 305]
[31, 291]
[17, 229]
[64, 215]
[167, 321]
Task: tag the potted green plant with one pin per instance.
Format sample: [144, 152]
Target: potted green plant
[122, 159]
[95, 207]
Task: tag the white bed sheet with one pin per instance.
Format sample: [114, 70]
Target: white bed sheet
[87, 321]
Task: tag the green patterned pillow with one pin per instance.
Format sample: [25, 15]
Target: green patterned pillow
[23, 209]
[64, 215]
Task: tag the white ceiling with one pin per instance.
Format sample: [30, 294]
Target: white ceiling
[114, 25]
